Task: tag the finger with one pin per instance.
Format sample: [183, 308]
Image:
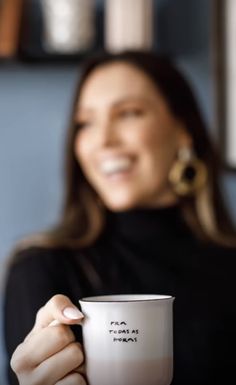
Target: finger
[59, 308]
[81, 369]
[43, 345]
[35, 331]
[54, 323]
[59, 365]
[72, 379]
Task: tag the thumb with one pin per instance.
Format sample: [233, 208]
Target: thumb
[59, 308]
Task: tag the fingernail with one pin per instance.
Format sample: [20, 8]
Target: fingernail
[72, 313]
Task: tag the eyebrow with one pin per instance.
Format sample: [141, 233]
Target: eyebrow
[116, 104]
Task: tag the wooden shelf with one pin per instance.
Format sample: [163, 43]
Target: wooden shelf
[22, 29]
[10, 21]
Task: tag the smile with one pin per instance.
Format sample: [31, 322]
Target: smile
[116, 166]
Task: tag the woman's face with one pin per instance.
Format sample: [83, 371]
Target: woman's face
[127, 138]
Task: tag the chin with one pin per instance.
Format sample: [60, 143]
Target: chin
[120, 206]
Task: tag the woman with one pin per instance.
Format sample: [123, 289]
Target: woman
[143, 213]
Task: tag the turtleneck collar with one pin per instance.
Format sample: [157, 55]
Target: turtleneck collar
[148, 225]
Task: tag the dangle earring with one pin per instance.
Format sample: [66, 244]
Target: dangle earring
[188, 173]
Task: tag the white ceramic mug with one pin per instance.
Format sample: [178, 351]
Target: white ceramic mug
[128, 339]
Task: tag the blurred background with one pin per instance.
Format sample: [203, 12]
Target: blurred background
[42, 43]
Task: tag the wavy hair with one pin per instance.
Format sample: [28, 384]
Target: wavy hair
[83, 217]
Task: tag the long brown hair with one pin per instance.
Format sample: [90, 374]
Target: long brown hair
[82, 218]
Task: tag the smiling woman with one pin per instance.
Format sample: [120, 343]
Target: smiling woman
[126, 138]
[143, 213]
[190, 162]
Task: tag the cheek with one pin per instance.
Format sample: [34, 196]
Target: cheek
[158, 139]
[81, 149]
[84, 149]
[159, 145]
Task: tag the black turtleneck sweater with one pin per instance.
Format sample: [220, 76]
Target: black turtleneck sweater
[141, 251]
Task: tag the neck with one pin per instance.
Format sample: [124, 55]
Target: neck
[148, 224]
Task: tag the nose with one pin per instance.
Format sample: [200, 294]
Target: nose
[107, 135]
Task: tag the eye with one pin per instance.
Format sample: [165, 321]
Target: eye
[81, 125]
[131, 113]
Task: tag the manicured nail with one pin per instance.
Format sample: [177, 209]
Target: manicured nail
[72, 313]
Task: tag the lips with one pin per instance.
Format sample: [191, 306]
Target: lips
[115, 166]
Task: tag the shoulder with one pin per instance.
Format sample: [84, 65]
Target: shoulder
[221, 252]
[32, 255]
[38, 257]
[34, 259]
[219, 262]
[37, 269]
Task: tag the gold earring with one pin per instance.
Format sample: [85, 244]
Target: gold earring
[188, 173]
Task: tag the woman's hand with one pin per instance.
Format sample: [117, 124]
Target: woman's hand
[49, 354]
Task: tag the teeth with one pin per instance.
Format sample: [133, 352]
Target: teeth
[112, 166]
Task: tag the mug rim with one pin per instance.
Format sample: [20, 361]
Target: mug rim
[121, 298]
